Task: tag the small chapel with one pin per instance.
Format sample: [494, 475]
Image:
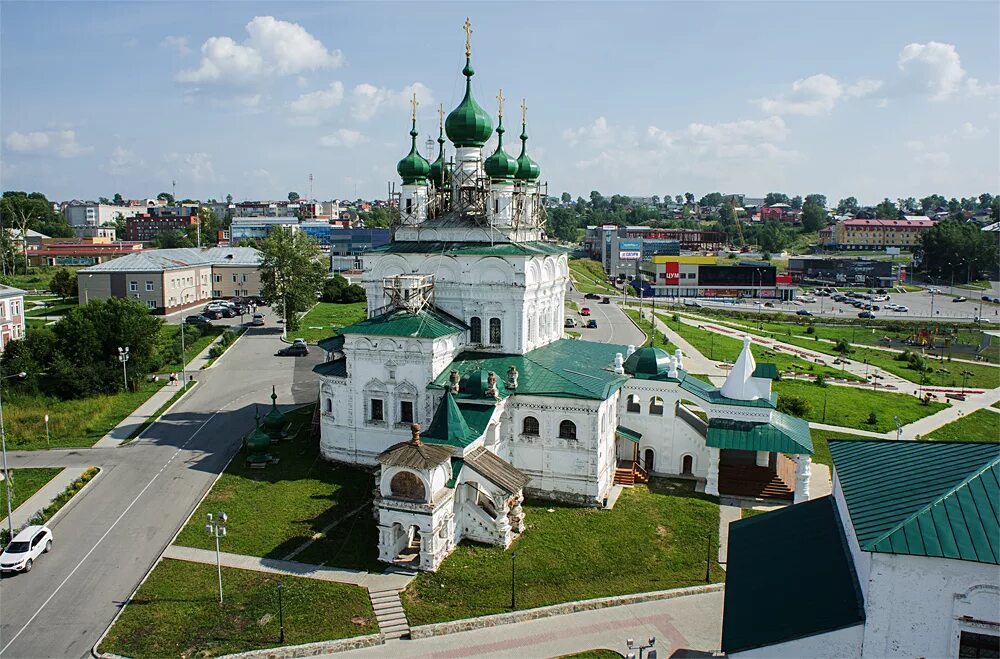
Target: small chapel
[461, 391]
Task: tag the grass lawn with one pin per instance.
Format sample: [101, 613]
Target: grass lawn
[25, 483]
[275, 510]
[34, 323]
[592, 654]
[589, 277]
[51, 308]
[72, 423]
[654, 539]
[176, 612]
[980, 426]
[659, 340]
[325, 318]
[36, 279]
[821, 445]
[750, 512]
[849, 407]
[171, 333]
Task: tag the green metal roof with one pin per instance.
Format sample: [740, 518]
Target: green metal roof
[937, 499]
[784, 434]
[789, 576]
[427, 324]
[527, 169]
[337, 368]
[648, 362]
[629, 434]
[456, 469]
[468, 124]
[413, 168]
[712, 394]
[457, 424]
[531, 248]
[332, 343]
[501, 166]
[765, 370]
[566, 368]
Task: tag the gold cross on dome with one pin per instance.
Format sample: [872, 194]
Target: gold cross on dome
[524, 111]
[441, 115]
[414, 105]
[468, 37]
[500, 103]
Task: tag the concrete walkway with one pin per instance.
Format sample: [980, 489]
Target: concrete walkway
[43, 496]
[852, 431]
[694, 361]
[374, 582]
[683, 626]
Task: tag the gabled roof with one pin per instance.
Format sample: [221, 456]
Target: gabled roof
[332, 343]
[10, 291]
[564, 368]
[789, 576]
[458, 424]
[783, 434]
[496, 470]
[416, 455]
[737, 384]
[158, 260]
[427, 324]
[472, 249]
[336, 368]
[711, 394]
[937, 499]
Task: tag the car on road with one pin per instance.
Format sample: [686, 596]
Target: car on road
[804, 312]
[198, 319]
[570, 322]
[27, 546]
[691, 303]
[960, 299]
[591, 324]
[902, 308]
[585, 311]
[592, 296]
[299, 342]
[866, 314]
[769, 304]
[258, 319]
[212, 314]
[986, 298]
[808, 300]
[605, 300]
[294, 350]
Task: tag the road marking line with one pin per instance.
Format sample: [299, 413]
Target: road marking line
[110, 528]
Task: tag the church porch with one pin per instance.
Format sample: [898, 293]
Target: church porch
[628, 469]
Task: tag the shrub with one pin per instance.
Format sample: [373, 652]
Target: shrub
[843, 347]
[793, 405]
[872, 418]
[810, 330]
[821, 380]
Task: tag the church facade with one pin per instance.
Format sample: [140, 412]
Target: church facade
[461, 391]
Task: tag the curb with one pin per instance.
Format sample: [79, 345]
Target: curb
[184, 393]
[75, 498]
[240, 335]
[455, 626]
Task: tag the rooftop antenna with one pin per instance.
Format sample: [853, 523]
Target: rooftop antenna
[173, 189]
[310, 187]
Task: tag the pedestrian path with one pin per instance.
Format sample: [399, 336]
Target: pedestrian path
[43, 497]
[375, 582]
[694, 361]
[852, 431]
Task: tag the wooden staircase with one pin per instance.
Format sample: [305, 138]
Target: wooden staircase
[389, 613]
[629, 473]
[752, 481]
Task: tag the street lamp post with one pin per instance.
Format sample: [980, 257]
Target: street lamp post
[6, 471]
[123, 358]
[281, 614]
[216, 528]
[642, 648]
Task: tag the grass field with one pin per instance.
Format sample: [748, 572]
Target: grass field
[171, 333]
[275, 510]
[655, 538]
[24, 484]
[52, 308]
[589, 277]
[36, 279]
[323, 320]
[850, 407]
[980, 426]
[593, 654]
[656, 339]
[176, 612]
[72, 423]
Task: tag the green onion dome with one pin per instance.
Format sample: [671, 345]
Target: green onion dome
[439, 165]
[414, 168]
[274, 420]
[468, 124]
[527, 169]
[501, 166]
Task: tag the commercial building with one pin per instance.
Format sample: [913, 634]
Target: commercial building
[348, 245]
[324, 231]
[105, 233]
[86, 251]
[168, 280]
[620, 249]
[844, 272]
[149, 227]
[258, 228]
[876, 234]
[11, 315]
[88, 213]
[702, 276]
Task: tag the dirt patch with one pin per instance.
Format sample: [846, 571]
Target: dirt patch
[360, 621]
[264, 619]
[663, 532]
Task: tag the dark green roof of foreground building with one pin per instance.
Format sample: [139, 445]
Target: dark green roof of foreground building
[458, 423]
[937, 499]
[427, 324]
[783, 434]
[712, 394]
[789, 576]
[647, 362]
[566, 368]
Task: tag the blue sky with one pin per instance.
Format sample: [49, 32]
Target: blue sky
[842, 98]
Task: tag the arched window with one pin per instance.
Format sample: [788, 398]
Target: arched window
[476, 329]
[632, 404]
[687, 465]
[495, 331]
[406, 485]
[567, 430]
[656, 406]
[329, 406]
[530, 426]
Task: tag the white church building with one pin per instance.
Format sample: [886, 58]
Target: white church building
[460, 389]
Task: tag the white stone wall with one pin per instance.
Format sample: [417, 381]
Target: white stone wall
[669, 437]
[831, 645]
[413, 204]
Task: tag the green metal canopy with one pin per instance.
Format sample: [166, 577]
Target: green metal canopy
[629, 434]
[784, 434]
[458, 424]
[712, 394]
[766, 370]
[427, 324]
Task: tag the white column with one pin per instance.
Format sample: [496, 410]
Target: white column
[712, 483]
[762, 458]
[802, 472]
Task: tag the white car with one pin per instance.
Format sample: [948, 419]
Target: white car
[299, 342]
[27, 546]
[258, 319]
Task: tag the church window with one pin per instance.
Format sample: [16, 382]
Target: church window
[632, 404]
[656, 406]
[530, 426]
[972, 644]
[494, 331]
[409, 205]
[406, 411]
[567, 430]
[476, 329]
[406, 485]
[496, 206]
[377, 412]
[329, 406]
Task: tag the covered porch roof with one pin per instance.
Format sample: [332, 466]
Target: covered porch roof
[783, 434]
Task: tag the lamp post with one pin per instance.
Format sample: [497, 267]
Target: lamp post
[642, 648]
[281, 614]
[6, 471]
[184, 382]
[513, 591]
[123, 358]
[966, 374]
[216, 528]
[899, 427]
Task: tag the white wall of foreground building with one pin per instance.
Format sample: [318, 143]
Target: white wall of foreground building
[831, 645]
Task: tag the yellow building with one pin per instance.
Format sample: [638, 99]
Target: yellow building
[879, 234]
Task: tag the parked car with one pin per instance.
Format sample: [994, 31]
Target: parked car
[769, 304]
[691, 303]
[902, 308]
[585, 311]
[605, 300]
[959, 299]
[591, 324]
[804, 312]
[570, 322]
[198, 319]
[866, 314]
[996, 300]
[985, 298]
[299, 342]
[212, 314]
[27, 546]
[592, 296]
[258, 319]
[294, 350]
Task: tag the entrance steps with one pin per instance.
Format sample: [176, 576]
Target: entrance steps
[389, 613]
[752, 482]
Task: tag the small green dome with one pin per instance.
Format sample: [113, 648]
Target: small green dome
[527, 169]
[501, 166]
[274, 420]
[258, 444]
[474, 383]
[647, 361]
[414, 168]
[468, 124]
[439, 166]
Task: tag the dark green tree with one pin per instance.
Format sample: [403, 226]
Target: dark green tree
[63, 283]
[813, 217]
[817, 199]
[932, 202]
[847, 205]
[166, 196]
[293, 197]
[118, 199]
[711, 199]
[957, 249]
[772, 198]
[796, 202]
[886, 210]
[565, 198]
[291, 273]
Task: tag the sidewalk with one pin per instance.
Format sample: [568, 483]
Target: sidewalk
[371, 581]
[694, 361]
[42, 497]
[142, 413]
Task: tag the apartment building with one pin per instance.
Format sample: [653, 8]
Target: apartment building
[149, 227]
[860, 234]
[90, 214]
[11, 315]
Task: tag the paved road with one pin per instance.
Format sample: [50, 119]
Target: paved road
[613, 326]
[116, 530]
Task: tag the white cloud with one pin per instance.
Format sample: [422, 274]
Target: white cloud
[772, 129]
[273, 48]
[600, 134]
[197, 166]
[62, 143]
[934, 67]
[933, 159]
[175, 43]
[122, 161]
[343, 137]
[969, 132]
[318, 101]
[367, 99]
[816, 95]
